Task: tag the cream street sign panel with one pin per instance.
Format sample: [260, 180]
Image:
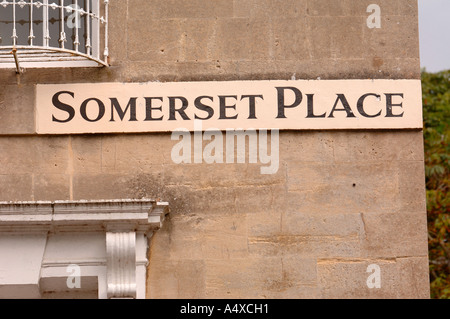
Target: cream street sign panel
[284, 105]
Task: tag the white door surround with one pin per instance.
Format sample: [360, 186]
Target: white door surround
[77, 249]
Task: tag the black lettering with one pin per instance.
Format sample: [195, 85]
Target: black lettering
[116, 106]
[101, 109]
[252, 104]
[347, 108]
[389, 105]
[173, 109]
[360, 105]
[311, 107]
[202, 107]
[149, 108]
[63, 107]
[281, 103]
[224, 107]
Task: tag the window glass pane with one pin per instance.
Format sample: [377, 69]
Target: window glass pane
[37, 25]
[23, 19]
[22, 24]
[6, 24]
[73, 23]
[54, 27]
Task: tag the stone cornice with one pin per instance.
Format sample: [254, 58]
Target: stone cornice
[143, 215]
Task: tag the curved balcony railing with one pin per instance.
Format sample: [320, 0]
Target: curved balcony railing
[53, 33]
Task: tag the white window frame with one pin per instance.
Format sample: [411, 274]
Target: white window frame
[94, 54]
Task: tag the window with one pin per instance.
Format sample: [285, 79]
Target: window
[53, 33]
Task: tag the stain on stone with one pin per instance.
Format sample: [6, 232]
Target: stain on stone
[151, 186]
[377, 62]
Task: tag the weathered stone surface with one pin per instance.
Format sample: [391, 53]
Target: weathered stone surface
[184, 279]
[398, 278]
[339, 188]
[230, 277]
[15, 187]
[392, 235]
[34, 154]
[414, 279]
[51, 187]
[328, 246]
[341, 278]
[340, 200]
[16, 109]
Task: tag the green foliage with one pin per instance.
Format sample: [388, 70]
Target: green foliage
[436, 113]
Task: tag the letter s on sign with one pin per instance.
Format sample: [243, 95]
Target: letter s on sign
[63, 107]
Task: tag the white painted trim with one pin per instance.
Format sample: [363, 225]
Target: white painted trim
[53, 64]
[32, 56]
[87, 234]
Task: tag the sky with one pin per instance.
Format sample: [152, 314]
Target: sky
[434, 31]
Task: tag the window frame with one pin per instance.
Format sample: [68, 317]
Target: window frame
[95, 52]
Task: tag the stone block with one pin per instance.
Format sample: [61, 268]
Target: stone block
[328, 246]
[51, 187]
[86, 154]
[264, 223]
[359, 8]
[108, 153]
[287, 8]
[408, 8]
[328, 33]
[198, 40]
[347, 278]
[321, 224]
[16, 187]
[176, 279]
[233, 40]
[327, 8]
[290, 39]
[378, 146]
[299, 271]
[261, 198]
[202, 236]
[414, 281]
[260, 39]
[103, 186]
[212, 200]
[298, 280]
[343, 188]
[16, 155]
[314, 147]
[141, 152]
[205, 175]
[184, 9]
[34, 154]
[16, 109]
[397, 37]
[412, 186]
[118, 32]
[242, 278]
[394, 235]
[225, 237]
[162, 40]
[269, 8]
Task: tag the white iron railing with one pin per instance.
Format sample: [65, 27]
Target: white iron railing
[53, 33]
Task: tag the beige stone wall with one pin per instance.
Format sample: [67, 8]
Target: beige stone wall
[340, 201]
